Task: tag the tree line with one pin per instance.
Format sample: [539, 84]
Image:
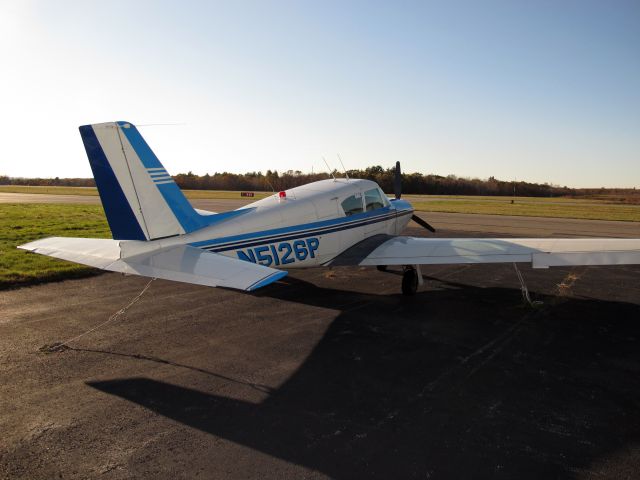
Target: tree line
[412, 183]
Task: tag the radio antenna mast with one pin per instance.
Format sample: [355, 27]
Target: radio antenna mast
[329, 168]
[161, 124]
[269, 183]
[345, 170]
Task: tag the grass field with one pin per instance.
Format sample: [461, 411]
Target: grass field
[484, 199]
[223, 194]
[587, 210]
[21, 223]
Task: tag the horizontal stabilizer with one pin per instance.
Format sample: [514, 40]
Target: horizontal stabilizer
[94, 252]
[179, 263]
[192, 265]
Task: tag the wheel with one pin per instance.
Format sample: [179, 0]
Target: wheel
[381, 268]
[409, 282]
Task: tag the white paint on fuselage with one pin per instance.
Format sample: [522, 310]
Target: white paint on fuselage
[307, 204]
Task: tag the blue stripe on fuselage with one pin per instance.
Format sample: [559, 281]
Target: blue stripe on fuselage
[300, 231]
[293, 228]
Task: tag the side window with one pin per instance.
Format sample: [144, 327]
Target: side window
[352, 205]
[373, 200]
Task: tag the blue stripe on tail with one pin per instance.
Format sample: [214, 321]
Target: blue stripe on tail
[180, 206]
[123, 223]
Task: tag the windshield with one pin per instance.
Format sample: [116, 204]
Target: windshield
[373, 199]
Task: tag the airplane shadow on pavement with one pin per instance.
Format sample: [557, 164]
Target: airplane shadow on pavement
[460, 382]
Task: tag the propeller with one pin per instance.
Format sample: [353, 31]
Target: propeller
[422, 223]
[397, 190]
[397, 182]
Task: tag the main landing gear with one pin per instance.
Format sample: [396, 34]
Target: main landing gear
[411, 278]
[409, 281]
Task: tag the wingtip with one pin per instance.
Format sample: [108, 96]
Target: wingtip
[30, 246]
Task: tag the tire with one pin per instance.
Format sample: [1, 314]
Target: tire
[381, 268]
[409, 282]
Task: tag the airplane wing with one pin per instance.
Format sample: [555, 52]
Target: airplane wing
[540, 252]
[180, 263]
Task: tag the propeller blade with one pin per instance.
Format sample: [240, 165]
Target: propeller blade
[422, 223]
[397, 182]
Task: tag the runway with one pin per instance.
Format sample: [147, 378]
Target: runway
[331, 373]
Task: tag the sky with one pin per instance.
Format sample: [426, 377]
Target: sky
[544, 91]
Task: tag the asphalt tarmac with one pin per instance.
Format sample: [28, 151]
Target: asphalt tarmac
[331, 373]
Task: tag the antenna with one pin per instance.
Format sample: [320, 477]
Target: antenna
[269, 183]
[330, 171]
[345, 170]
[161, 124]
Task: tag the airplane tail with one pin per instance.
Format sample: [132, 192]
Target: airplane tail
[140, 199]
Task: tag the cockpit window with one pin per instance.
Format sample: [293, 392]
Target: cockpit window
[352, 205]
[373, 199]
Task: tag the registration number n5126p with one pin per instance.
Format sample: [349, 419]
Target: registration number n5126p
[281, 253]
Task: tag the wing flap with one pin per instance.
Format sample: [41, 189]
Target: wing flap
[541, 252]
[180, 263]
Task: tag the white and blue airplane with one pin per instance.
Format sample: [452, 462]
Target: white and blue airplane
[157, 233]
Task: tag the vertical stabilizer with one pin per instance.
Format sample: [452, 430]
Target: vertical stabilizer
[140, 199]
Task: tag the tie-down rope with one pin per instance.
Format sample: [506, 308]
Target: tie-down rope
[525, 291]
[58, 346]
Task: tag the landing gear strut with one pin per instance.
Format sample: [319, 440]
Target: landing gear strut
[411, 278]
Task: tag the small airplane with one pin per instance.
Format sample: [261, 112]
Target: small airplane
[335, 222]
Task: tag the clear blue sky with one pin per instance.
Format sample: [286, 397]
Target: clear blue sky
[545, 91]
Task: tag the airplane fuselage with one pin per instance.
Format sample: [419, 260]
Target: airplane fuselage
[308, 226]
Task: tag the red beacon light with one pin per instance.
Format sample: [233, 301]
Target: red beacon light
[282, 195]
